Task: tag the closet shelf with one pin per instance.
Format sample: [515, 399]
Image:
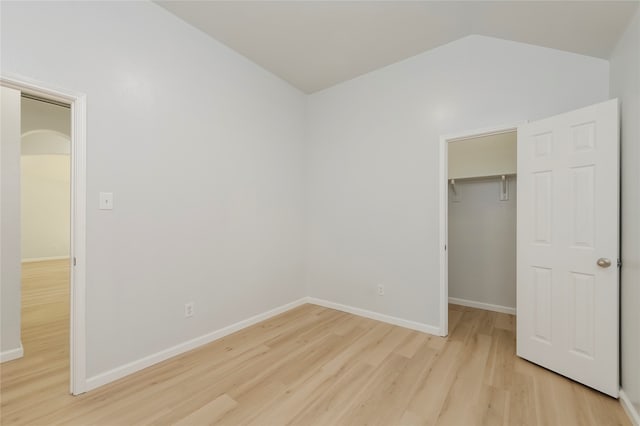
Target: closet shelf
[504, 189]
[496, 176]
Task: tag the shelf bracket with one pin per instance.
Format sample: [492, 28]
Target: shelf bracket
[504, 189]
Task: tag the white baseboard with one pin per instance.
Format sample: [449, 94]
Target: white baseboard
[43, 259]
[12, 354]
[425, 328]
[481, 305]
[130, 368]
[142, 363]
[629, 408]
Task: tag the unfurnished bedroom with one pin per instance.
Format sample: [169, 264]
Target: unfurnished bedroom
[319, 213]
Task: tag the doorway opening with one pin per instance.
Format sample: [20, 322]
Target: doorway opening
[43, 232]
[45, 214]
[478, 222]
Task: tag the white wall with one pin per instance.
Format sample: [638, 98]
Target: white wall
[625, 85]
[9, 217]
[37, 115]
[373, 160]
[45, 180]
[483, 156]
[202, 150]
[482, 242]
[45, 209]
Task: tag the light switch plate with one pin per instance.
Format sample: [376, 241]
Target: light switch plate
[106, 201]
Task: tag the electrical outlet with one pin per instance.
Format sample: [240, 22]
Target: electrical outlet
[188, 309]
[380, 290]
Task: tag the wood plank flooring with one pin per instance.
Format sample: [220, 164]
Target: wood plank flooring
[308, 366]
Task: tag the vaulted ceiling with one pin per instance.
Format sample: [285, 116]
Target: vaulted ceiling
[316, 44]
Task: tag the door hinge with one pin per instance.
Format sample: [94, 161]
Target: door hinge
[619, 263]
[74, 261]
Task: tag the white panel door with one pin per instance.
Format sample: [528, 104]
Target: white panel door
[568, 233]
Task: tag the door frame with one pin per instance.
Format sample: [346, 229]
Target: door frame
[444, 209]
[77, 258]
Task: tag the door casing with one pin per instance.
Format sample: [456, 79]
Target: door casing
[444, 210]
[77, 258]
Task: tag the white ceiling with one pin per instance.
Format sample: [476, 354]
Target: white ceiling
[316, 44]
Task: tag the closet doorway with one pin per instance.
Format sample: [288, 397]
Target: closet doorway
[478, 221]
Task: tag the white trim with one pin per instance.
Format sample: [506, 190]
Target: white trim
[484, 131]
[78, 102]
[132, 367]
[482, 305]
[629, 408]
[43, 259]
[444, 193]
[12, 354]
[425, 328]
[78, 244]
[444, 236]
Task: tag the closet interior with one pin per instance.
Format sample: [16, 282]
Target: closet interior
[481, 220]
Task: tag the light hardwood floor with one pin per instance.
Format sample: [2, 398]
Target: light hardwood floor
[308, 366]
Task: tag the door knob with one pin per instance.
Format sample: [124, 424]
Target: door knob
[603, 262]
